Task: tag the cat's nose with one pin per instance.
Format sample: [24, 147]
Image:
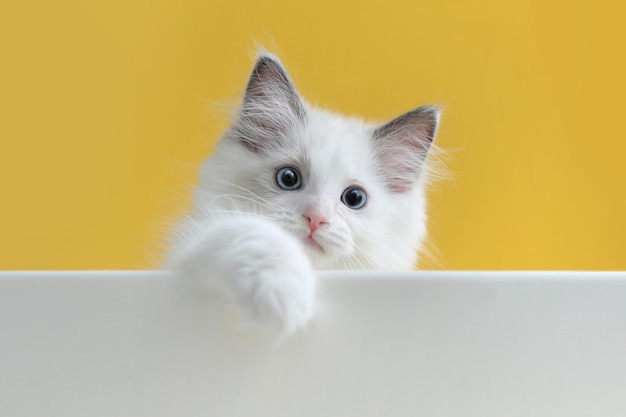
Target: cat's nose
[315, 221]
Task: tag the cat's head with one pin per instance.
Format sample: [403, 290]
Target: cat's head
[351, 191]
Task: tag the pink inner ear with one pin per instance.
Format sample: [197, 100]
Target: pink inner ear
[260, 131]
[399, 176]
[402, 146]
[271, 106]
[401, 166]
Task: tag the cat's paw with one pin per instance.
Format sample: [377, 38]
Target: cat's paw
[278, 298]
[275, 284]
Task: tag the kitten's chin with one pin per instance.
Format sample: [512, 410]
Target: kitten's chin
[324, 254]
[312, 245]
[321, 256]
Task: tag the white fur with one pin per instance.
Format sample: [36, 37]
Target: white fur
[248, 235]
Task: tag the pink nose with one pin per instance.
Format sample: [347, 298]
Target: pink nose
[315, 221]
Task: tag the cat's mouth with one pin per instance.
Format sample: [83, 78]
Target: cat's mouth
[311, 242]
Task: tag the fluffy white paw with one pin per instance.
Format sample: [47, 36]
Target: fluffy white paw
[274, 284]
[279, 298]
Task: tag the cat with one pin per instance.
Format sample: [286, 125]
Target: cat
[291, 188]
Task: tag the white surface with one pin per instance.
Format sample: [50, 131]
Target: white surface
[136, 344]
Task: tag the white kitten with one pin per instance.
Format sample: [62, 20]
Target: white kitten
[291, 188]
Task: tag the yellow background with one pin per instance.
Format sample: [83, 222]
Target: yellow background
[106, 110]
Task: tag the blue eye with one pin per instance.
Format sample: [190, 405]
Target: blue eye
[288, 178]
[354, 198]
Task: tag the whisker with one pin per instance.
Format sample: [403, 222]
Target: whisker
[269, 217]
[261, 199]
[358, 262]
[349, 261]
[365, 254]
[246, 199]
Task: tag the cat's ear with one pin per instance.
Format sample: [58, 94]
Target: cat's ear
[271, 106]
[402, 145]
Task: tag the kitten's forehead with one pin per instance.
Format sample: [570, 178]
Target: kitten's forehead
[337, 144]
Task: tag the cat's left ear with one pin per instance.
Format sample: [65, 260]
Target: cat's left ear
[402, 146]
[271, 106]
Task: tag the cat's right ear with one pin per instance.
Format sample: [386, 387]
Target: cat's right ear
[271, 106]
[402, 146]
